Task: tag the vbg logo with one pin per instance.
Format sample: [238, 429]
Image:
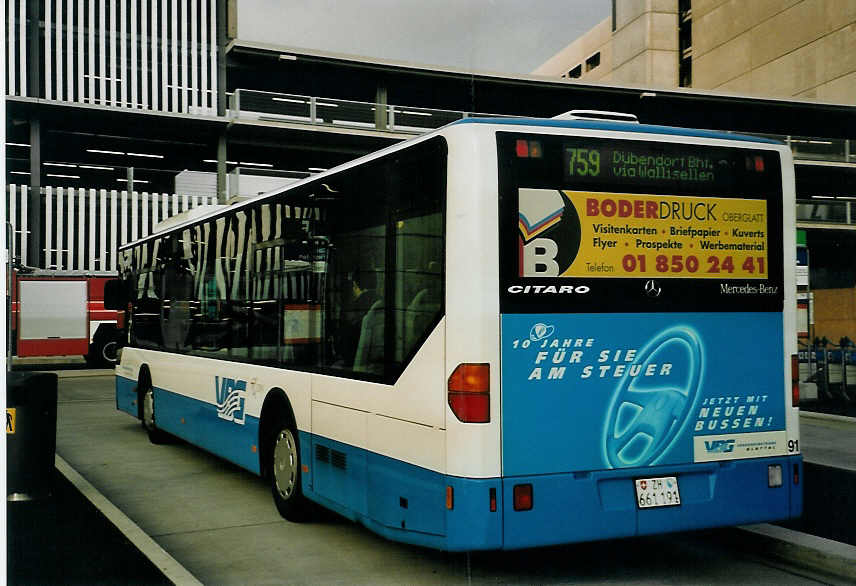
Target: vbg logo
[230, 395]
[719, 446]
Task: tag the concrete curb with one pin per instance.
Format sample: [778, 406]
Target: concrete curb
[84, 373]
[52, 360]
[827, 416]
[167, 564]
[809, 551]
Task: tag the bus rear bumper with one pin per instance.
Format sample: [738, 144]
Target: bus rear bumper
[599, 505]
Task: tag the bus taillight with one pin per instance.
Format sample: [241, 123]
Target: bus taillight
[523, 497]
[469, 393]
[795, 380]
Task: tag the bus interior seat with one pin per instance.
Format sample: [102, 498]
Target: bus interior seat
[369, 356]
[419, 315]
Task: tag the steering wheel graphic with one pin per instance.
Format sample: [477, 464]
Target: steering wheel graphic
[647, 413]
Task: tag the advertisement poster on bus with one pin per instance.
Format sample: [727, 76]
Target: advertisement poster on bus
[567, 233]
[588, 391]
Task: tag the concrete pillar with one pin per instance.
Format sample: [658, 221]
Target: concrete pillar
[34, 57]
[222, 40]
[35, 246]
[130, 176]
[380, 109]
[222, 189]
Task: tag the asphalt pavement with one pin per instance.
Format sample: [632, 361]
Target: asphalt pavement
[65, 539]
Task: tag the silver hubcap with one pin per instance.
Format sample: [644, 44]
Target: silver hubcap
[285, 463]
[149, 409]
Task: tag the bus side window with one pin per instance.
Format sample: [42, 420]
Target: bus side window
[177, 280]
[210, 328]
[146, 331]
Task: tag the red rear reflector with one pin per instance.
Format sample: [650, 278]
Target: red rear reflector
[450, 498]
[522, 148]
[795, 380]
[469, 393]
[522, 497]
[759, 164]
[492, 500]
[796, 473]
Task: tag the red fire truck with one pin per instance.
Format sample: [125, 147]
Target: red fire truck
[62, 314]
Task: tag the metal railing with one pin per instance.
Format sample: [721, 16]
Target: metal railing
[247, 104]
[827, 150]
[827, 211]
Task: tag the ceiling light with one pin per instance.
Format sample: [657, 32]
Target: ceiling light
[289, 100]
[215, 160]
[256, 164]
[59, 165]
[62, 176]
[98, 167]
[18, 144]
[103, 152]
[135, 181]
[287, 57]
[144, 155]
[19, 172]
[317, 169]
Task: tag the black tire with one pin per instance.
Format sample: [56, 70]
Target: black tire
[146, 402]
[102, 350]
[285, 474]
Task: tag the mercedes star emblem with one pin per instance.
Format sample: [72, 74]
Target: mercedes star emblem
[652, 289]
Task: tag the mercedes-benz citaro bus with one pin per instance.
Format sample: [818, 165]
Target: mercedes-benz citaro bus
[502, 334]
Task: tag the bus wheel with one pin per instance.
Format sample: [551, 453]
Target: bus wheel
[285, 475]
[146, 399]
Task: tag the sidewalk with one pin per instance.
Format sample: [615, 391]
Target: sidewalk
[66, 540]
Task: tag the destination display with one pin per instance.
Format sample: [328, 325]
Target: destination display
[646, 164]
[583, 234]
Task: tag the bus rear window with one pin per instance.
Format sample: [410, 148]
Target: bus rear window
[591, 224]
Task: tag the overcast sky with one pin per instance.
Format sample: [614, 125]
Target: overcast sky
[505, 36]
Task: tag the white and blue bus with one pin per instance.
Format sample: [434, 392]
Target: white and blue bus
[505, 333]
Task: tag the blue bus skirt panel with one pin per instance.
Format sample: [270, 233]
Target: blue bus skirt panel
[126, 395]
[600, 505]
[796, 472]
[407, 503]
[401, 501]
[197, 422]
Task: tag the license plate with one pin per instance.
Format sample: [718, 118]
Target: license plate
[657, 492]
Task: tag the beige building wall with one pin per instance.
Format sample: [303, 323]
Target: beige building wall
[643, 50]
[598, 39]
[776, 48]
[768, 48]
